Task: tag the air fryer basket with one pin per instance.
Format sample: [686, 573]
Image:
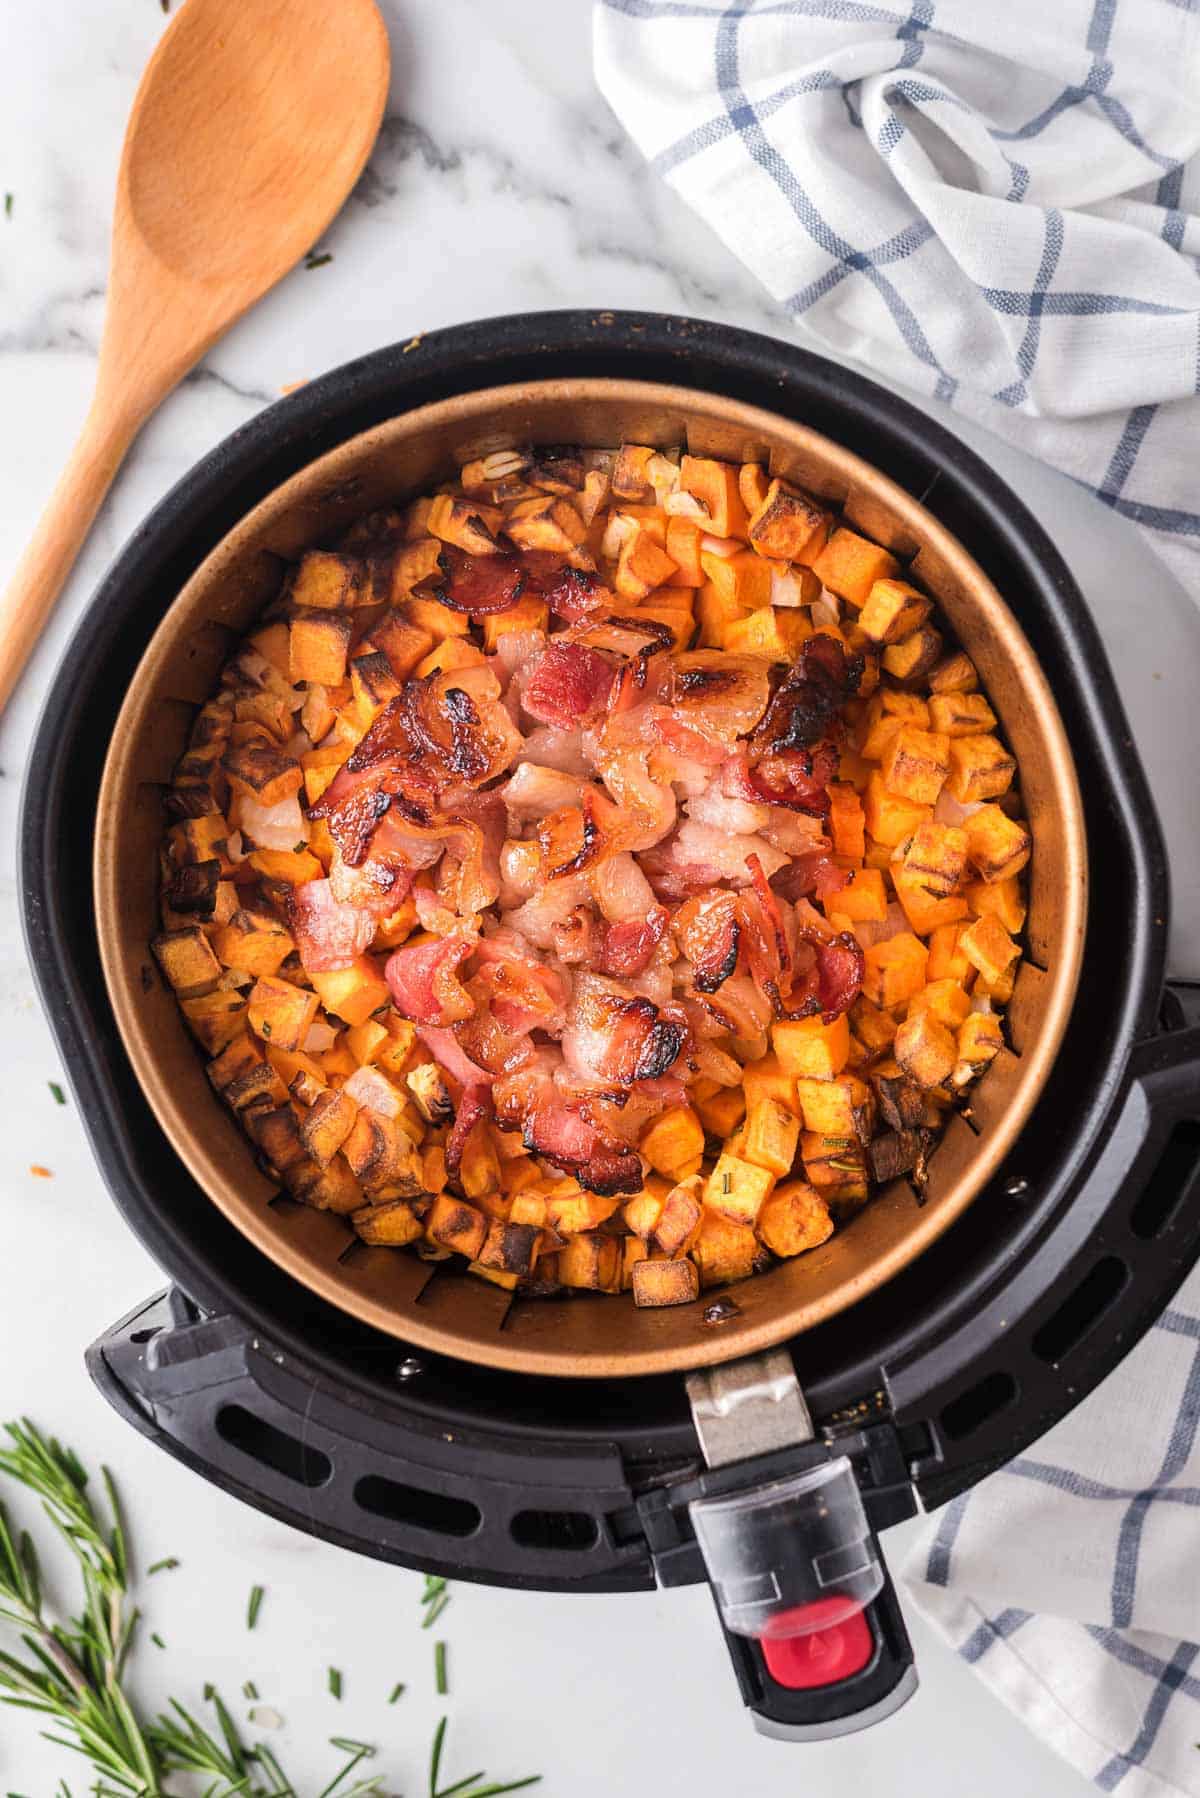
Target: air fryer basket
[944, 1370]
[430, 1304]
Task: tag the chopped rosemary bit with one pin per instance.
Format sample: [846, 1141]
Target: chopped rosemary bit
[8, 206]
[249, 1690]
[397, 1691]
[468, 1787]
[726, 1184]
[434, 1598]
[255, 1605]
[56, 1091]
[165, 1566]
[312, 260]
[441, 1683]
[335, 1682]
[157, 1640]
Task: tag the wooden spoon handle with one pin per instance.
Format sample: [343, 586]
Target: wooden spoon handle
[29, 597]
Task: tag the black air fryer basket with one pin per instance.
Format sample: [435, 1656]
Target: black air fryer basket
[945, 1372]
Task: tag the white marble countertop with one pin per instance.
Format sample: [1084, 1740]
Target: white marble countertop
[500, 183]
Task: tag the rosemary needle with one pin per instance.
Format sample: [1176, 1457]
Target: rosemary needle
[254, 1607]
[335, 1681]
[397, 1691]
[439, 1669]
[167, 1566]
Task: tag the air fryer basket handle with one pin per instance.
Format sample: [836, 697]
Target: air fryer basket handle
[839, 1707]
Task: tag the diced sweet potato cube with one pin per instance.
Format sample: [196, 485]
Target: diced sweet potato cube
[254, 942]
[847, 825]
[365, 1041]
[431, 1095]
[263, 771]
[1001, 899]
[432, 616]
[936, 857]
[736, 1188]
[980, 1039]
[679, 1218]
[892, 610]
[469, 523]
[914, 655]
[948, 1002]
[433, 1168]
[403, 642]
[457, 1226]
[511, 1248]
[571, 1211]
[961, 714]
[925, 1049]
[673, 1141]
[479, 1170]
[393, 1056]
[772, 1133]
[319, 766]
[529, 614]
[642, 1210]
[642, 566]
[331, 1188]
[281, 1013]
[794, 1218]
[988, 946]
[875, 1029]
[276, 1134]
[946, 959]
[915, 764]
[999, 846]
[890, 818]
[922, 909]
[389, 1226]
[630, 477]
[980, 768]
[955, 675]
[850, 565]
[894, 970]
[373, 682]
[787, 525]
[678, 619]
[723, 1112]
[665, 1282]
[258, 1085]
[715, 485]
[753, 485]
[809, 1048]
[304, 1087]
[834, 1107]
[715, 615]
[186, 958]
[683, 547]
[326, 1125]
[295, 866]
[591, 1261]
[830, 1158]
[1000, 989]
[353, 993]
[863, 899]
[547, 522]
[235, 1059]
[318, 645]
[767, 1078]
[328, 582]
[383, 1156]
[744, 578]
[724, 1250]
[888, 710]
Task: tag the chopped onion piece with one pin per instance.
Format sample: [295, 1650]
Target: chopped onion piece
[949, 810]
[683, 505]
[786, 589]
[374, 1092]
[321, 1036]
[825, 611]
[725, 547]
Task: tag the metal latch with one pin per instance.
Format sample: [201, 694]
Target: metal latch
[747, 1408]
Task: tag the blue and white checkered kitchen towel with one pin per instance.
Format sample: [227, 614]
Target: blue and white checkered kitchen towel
[997, 202]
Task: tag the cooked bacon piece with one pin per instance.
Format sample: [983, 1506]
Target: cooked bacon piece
[352, 821]
[566, 1139]
[571, 593]
[810, 697]
[522, 993]
[832, 981]
[708, 930]
[739, 1008]
[812, 871]
[476, 1103]
[329, 932]
[567, 685]
[450, 1056]
[377, 886]
[696, 859]
[614, 1036]
[479, 584]
[628, 947]
[423, 983]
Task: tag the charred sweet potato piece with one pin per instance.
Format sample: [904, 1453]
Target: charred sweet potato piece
[390, 1226]
[469, 524]
[787, 524]
[850, 565]
[318, 644]
[327, 582]
[254, 942]
[999, 846]
[277, 1135]
[724, 1250]
[331, 1188]
[591, 1261]
[665, 1282]
[795, 1218]
[382, 1156]
[215, 1018]
[326, 1125]
[511, 1248]
[980, 768]
[715, 485]
[892, 610]
[186, 958]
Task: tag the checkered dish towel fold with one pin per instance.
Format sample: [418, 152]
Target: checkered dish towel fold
[990, 203]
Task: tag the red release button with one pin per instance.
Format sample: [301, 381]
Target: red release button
[821, 1657]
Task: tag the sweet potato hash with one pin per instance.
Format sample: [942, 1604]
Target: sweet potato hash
[604, 869]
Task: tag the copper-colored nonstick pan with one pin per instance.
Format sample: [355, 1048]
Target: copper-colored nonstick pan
[430, 1305]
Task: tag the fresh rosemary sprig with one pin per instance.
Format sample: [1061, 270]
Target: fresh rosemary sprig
[71, 1672]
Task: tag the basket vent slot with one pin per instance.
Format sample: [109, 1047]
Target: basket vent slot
[572, 1531]
[964, 1415]
[1168, 1184]
[273, 1447]
[436, 1511]
[1079, 1313]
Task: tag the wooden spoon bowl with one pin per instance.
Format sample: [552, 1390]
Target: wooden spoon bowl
[250, 127]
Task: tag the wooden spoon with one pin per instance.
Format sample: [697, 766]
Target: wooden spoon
[253, 121]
